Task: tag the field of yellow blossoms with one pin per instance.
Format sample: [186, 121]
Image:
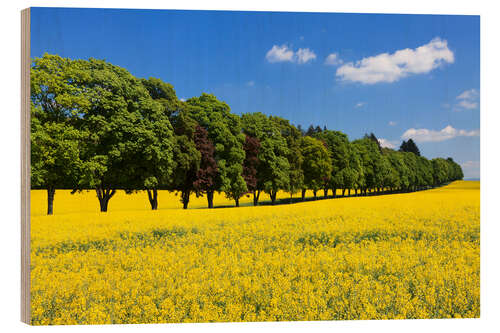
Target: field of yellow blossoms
[412, 255]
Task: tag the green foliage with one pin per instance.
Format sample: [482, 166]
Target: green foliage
[130, 134]
[410, 147]
[273, 171]
[224, 131]
[95, 125]
[187, 158]
[163, 93]
[293, 137]
[55, 153]
[317, 164]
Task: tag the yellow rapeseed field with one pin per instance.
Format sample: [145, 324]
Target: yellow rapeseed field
[412, 255]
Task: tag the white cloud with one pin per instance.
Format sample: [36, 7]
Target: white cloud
[250, 83]
[392, 123]
[284, 54]
[333, 60]
[280, 54]
[359, 104]
[467, 105]
[388, 143]
[468, 94]
[305, 55]
[387, 67]
[468, 100]
[471, 169]
[183, 99]
[427, 135]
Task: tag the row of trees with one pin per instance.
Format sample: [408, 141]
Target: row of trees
[96, 126]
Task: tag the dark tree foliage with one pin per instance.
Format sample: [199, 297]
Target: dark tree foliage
[251, 163]
[224, 130]
[301, 130]
[187, 157]
[374, 139]
[409, 147]
[314, 130]
[207, 173]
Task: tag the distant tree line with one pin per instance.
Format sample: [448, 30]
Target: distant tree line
[96, 126]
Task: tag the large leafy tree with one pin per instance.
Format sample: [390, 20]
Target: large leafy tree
[398, 165]
[56, 106]
[371, 160]
[455, 170]
[273, 170]
[410, 161]
[293, 136]
[224, 131]
[251, 163]
[55, 156]
[317, 164]
[343, 174]
[155, 169]
[206, 176]
[425, 172]
[187, 158]
[127, 129]
[352, 175]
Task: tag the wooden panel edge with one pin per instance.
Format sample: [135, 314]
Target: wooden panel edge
[25, 166]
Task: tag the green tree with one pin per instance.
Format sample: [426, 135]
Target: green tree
[372, 163]
[273, 169]
[409, 147]
[53, 90]
[317, 164]
[126, 129]
[187, 157]
[410, 160]
[293, 136]
[398, 164]
[163, 93]
[55, 156]
[224, 131]
[343, 173]
[425, 172]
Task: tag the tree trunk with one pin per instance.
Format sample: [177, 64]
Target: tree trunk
[349, 192]
[256, 195]
[356, 192]
[153, 198]
[334, 192]
[303, 194]
[343, 192]
[314, 193]
[237, 202]
[210, 199]
[104, 195]
[51, 191]
[185, 198]
[326, 192]
[272, 195]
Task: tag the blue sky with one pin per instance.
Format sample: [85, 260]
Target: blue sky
[398, 76]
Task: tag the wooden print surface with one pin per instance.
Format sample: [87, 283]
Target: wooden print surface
[211, 166]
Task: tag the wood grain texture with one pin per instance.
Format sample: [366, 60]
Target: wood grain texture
[25, 167]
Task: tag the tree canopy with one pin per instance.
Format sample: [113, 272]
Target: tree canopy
[96, 126]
